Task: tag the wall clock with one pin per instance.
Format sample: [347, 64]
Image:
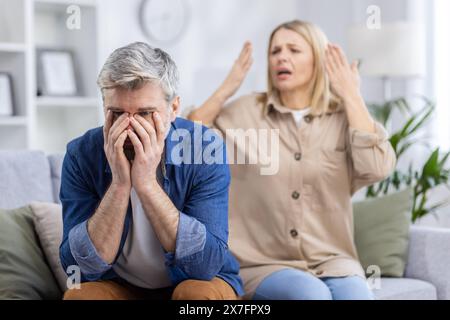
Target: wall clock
[164, 21]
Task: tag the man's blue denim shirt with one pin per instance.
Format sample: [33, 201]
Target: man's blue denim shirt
[198, 187]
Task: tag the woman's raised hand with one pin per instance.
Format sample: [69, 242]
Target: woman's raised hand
[238, 72]
[344, 78]
[210, 109]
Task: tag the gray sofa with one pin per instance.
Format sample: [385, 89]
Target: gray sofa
[27, 176]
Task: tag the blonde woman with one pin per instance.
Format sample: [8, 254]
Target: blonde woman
[292, 231]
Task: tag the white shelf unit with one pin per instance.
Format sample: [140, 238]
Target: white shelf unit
[14, 59]
[12, 47]
[64, 102]
[43, 122]
[13, 121]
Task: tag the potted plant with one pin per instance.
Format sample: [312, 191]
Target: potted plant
[423, 179]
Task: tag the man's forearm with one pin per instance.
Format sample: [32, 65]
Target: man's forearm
[162, 213]
[105, 227]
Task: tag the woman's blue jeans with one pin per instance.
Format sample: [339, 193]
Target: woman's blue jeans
[292, 284]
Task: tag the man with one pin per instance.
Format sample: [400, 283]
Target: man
[138, 222]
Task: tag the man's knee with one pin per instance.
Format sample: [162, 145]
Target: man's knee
[101, 290]
[216, 289]
[84, 292]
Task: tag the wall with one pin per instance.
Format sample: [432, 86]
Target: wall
[211, 43]
[219, 28]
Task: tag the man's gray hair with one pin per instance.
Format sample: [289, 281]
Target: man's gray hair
[136, 64]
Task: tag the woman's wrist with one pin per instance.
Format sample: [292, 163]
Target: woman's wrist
[353, 98]
[357, 113]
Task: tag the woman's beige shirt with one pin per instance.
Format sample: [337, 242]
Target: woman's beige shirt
[299, 216]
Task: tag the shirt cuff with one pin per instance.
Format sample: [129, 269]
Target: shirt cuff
[84, 252]
[191, 237]
[361, 139]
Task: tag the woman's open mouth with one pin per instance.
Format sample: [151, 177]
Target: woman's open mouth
[283, 74]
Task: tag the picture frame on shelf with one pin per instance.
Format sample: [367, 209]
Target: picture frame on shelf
[6, 95]
[56, 73]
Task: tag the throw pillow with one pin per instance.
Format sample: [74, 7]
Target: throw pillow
[49, 228]
[382, 232]
[24, 273]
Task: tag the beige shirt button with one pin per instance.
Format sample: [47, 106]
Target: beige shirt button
[295, 195]
[298, 156]
[294, 233]
[320, 272]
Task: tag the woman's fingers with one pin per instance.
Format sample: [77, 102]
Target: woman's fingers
[246, 52]
[245, 57]
[329, 61]
[328, 67]
[334, 54]
[340, 56]
[333, 59]
[248, 64]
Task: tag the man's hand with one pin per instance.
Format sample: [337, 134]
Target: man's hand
[148, 142]
[114, 138]
[105, 227]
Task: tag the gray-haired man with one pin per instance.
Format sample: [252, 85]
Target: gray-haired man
[137, 222]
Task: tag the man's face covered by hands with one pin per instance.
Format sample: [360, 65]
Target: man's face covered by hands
[143, 105]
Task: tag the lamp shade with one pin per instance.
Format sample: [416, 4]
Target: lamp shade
[395, 50]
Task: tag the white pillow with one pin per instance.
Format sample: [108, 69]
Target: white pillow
[49, 228]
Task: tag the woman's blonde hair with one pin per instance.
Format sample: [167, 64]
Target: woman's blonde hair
[322, 99]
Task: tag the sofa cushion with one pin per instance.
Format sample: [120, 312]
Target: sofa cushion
[405, 289]
[49, 228]
[25, 177]
[382, 232]
[24, 271]
[55, 161]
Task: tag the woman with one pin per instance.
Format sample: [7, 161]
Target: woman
[293, 231]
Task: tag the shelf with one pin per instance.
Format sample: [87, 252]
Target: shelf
[12, 47]
[87, 3]
[13, 121]
[67, 102]
[43, 122]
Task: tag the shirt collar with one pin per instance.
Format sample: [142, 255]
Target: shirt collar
[274, 104]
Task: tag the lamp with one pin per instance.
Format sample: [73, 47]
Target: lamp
[396, 50]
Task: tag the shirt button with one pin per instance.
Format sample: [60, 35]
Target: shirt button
[308, 118]
[320, 272]
[298, 156]
[294, 233]
[295, 195]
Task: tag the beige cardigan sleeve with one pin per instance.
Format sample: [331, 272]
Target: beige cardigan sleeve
[372, 157]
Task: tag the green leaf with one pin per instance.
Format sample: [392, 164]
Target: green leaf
[432, 173]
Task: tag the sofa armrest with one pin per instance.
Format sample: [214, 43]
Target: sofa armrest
[429, 258]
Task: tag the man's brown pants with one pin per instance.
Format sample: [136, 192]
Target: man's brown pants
[216, 289]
